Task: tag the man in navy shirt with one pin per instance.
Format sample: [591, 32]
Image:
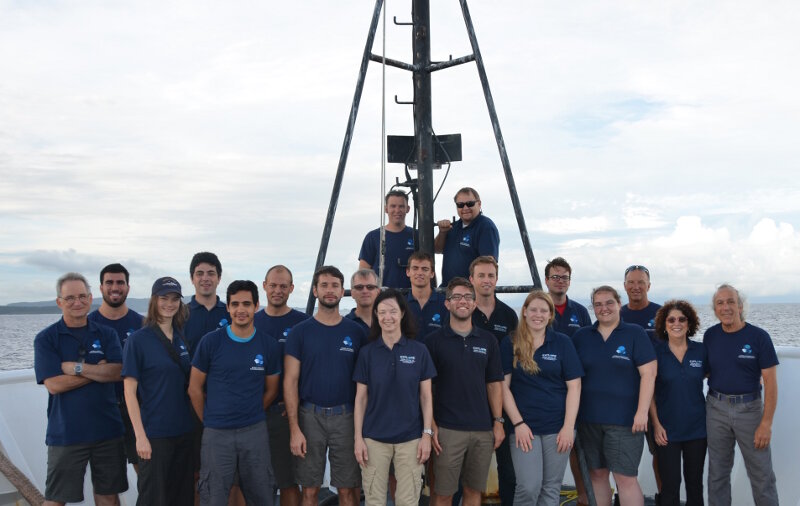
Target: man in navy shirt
[467, 402]
[498, 318]
[740, 357]
[399, 243]
[466, 239]
[364, 289]
[570, 316]
[277, 319]
[206, 311]
[639, 309]
[319, 392]
[78, 362]
[427, 306]
[239, 368]
[114, 313]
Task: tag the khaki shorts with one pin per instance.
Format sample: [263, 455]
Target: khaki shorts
[465, 455]
[334, 434]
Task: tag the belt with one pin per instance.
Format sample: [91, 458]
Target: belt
[734, 399]
[341, 409]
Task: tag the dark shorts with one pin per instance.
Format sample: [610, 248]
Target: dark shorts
[167, 479]
[612, 447]
[282, 466]
[66, 467]
[331, 434]
[129, 437]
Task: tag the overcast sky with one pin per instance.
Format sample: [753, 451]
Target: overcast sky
[663, 134]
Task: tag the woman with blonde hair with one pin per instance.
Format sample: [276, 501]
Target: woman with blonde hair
[541, 395]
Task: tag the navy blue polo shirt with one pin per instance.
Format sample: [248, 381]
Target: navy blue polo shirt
[165, 406]
[236, 372]
[430, 318]
[327, 356]
[679, 392]
[502, 323]
[574, 317]
[392, 377]
[399, 246]
[202, 321]
[465, 244]
[125, 326]
[89, 413]
[645, 318]
[736, 359]
[463, 366]
[541, 398]
[610, 387]
[278, 327]
[354, 317]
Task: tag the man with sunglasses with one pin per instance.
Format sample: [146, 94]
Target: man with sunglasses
[466, 239]
[364, 289]
[399, 241]
[79, 361]
[639, 310]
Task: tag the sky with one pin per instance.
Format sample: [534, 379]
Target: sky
[662, 134]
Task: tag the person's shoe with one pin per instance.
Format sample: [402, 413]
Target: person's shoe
[657, 499]
[616, 499]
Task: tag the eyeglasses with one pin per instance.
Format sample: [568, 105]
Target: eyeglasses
[556, 277]
[456, 297]
[469, 203]
[365, 287]
[673, 319]
[637, 268]
[71, 299]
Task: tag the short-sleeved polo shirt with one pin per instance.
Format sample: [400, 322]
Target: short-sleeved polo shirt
[327, 355]
[236, 374]
[392, 377]
[679, 392]
[278, 327]
[464, 365]
[465, 244]
[645, 318]
[575, 316]
[125, 326]
[541, 398]
[430, 318]
[610, 387]
[399, 246]
[89, 413]
[202, 321]
[165, 407]
[736, 359]
[502, 323]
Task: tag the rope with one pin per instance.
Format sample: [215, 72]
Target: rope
[383, 153]
[21, 482]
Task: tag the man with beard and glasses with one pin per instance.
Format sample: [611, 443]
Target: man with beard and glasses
[114, 313]
[321, 355]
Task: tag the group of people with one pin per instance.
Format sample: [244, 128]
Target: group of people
[228, 401]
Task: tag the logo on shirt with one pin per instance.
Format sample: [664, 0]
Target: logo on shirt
[479, 349]
[223, 322]
[573, 319]
[348, 344]
[465, 241]
[621, 353]
[501, 328]
[96, 348]
[259, 363]
[437, 318]
[552, 357]
[410, 244]
[696, 363]
[129, 332]
[183, 349]
[286, 331]
[651, 323]
[747, 352]
[407, 359]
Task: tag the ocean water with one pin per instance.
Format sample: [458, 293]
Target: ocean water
[782, 321]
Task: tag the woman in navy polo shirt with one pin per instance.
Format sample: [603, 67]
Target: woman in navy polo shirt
[678, 410]
[393, 409]
[620, 366]
[155, 368]
[541, 394]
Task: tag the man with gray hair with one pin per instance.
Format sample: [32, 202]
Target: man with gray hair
[740, 357]
[364, 289]
[78, 361]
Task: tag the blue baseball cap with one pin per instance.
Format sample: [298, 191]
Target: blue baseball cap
[166, 285]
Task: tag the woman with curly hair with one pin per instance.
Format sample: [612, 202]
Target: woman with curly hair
[678, 410]
[541, 394]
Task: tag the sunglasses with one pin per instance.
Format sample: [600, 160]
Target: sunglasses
[469, 203]
[637, 268]
[365, 287]
[673, 319]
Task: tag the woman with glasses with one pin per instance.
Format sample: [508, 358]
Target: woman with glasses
[678, 411]
[155, 368]
[393, 409]
[620, 366]
[541, 393]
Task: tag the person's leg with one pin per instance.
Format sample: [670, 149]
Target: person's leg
[66, 468]
[477, 461]
[554, 463]
[575, 467]
[375, 472]
[506, 480]
[408, 472]
[109, 471]
[281, 454]
[218, 458]
[470, 497]
[153, 475]
[447, 465]
[630, 493]
[254, 464]
[345, 473]
[669, 458]
[757, 462]
[310, 469]
[721, 442]
[694, 456]
[528, 470]
[623, 452]
[181, 475]
[601, 486]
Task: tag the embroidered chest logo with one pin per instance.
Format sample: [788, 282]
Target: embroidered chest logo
[465, 240]
[348, 344]
[223, 322]
[183, 350]
[552, 357]
[436, 318]
[573, 320]
[747, 352]
[696, 363]
[259, 363]
[651, 324]
[479, 350]
[408, 359]
[96, 348]
[284, 335]
[621, 354]
[410, 244]
[501, 328]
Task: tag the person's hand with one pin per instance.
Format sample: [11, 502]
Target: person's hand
[424, 449]
[639, 422]
[436, 446]
[499, 434]
[143, 448]
[565, 439]
[68, 368]
[660, 435]
[361, 451]
[524, 437]
[444, 225]
[763, 436]
[297, 443]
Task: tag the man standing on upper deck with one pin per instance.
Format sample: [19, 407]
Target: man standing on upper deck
[206, 311]
[364, 289]
[78, 361]
[741, 357]
[428, 307]
[497, 317]
[319, 392]
[570, 316]
[399, 242]
[639, 310]
[277, 319]
[114, 313]
[466, 239]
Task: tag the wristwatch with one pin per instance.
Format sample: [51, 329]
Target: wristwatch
[500, 419]
[78, 369]
[428, 432]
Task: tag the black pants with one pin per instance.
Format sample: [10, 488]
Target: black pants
[167, 479]
[669, 467]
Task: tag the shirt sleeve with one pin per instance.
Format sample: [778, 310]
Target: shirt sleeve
[273, 355]
[112, 347]
[130, 366]
[507, 355]
[767, 356]
[489, 241]
[570, 362]
[368, 251]
[428, 369]
[202, 357]
[494, 367]
[46, 358]
[294, 342]
[361, 370]
[643, 351]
